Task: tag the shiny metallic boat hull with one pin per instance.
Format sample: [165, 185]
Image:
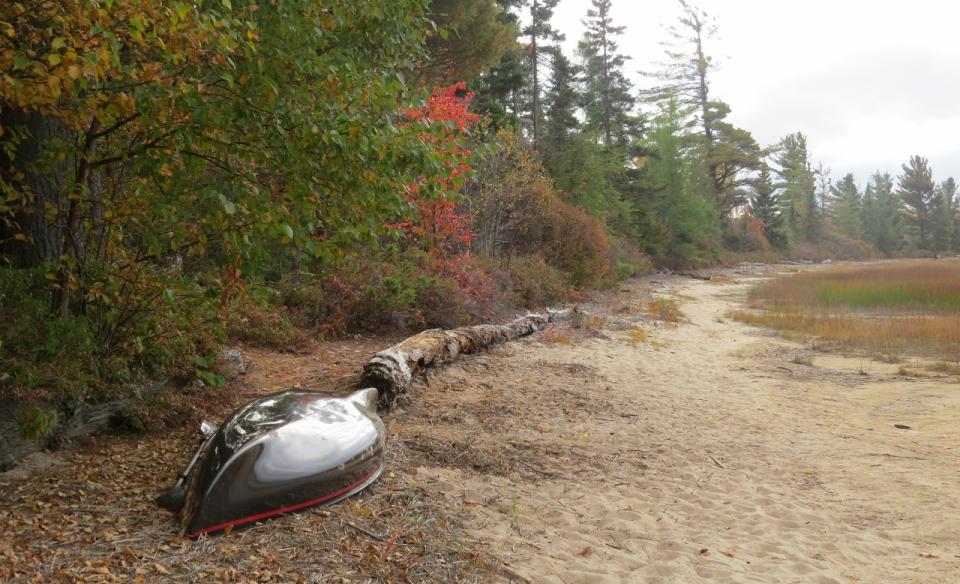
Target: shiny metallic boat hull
[278, 454]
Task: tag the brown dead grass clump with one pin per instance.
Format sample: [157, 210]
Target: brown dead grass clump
[665, 309]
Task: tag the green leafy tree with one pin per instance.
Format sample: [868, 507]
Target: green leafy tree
[587, 175]
[607, 93]
[915, 187]
[181, 146]
[881, 214]
[765, 205]
[846, 206]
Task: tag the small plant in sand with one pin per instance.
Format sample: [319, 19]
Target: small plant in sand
[665, 309]
[801, 359]
[905, 372]
[555, 337]
[636, 335]
[944, 367]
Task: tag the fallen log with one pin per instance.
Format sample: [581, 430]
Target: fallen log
[392, 370]
[696, 276]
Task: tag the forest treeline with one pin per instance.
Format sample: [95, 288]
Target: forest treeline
[174, 174]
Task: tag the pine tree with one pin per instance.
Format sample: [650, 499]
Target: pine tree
[941, 218]
[881, 214]
[470, 37]
[730, 160]
[690, 218]
[916, 188]
[765, 205]
[560, 103]
[729, 154]
[499, 90]
[797, 181]
[846, 206]
[685, 74]
[608, 98]
[541, 34]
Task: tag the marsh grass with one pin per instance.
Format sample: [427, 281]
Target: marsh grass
[926, 286]
[889, 309]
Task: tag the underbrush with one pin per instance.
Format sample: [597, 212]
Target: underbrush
[114, 342]
[50, 364]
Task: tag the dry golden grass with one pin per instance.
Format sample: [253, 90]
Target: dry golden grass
[891, 309]
[637, 335]
[555, 337]
[665, 309]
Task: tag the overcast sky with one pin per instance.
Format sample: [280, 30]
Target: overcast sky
[869, 82]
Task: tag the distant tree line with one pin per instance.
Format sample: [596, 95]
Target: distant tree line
[665, 169]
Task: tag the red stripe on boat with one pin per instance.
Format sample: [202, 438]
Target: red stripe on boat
[287, 509]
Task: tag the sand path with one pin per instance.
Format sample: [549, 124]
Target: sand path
[704, 453]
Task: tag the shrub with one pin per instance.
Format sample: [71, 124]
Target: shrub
[122, 336]
[627, 260]
[397, 290]
[529, 281]
[746, 234]
[577, 244]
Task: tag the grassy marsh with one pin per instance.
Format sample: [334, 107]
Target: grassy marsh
[909, 307]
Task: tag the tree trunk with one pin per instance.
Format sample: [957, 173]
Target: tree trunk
[43, 186]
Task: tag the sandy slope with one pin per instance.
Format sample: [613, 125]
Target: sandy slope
[705, 453]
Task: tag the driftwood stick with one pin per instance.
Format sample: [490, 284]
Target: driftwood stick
[392, 370]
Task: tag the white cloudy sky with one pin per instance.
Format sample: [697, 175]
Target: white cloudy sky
[870, 82]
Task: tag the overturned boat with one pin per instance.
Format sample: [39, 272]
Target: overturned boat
[277, 454]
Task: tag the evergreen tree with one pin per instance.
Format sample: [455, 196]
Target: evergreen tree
[916, 189]
[500, 89]
[846, 206]
[797, 181]
[608, 101]
[730, 160]
[690, 219]
[881, 214]
[941, 216]
[470, 37]
[560, 104]
[729, 154]
[765, 205]
[541, 34]
[684, 75]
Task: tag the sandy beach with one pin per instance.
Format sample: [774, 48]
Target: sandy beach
[708, 452]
